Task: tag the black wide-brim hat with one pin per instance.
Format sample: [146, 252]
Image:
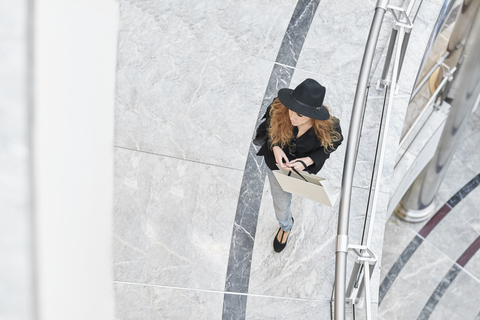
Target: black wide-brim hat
[306, 99]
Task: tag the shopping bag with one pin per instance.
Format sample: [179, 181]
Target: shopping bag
[315, 188]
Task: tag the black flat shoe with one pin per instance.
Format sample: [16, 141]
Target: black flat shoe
[277, 245]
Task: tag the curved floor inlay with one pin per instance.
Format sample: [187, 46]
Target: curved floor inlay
[243, 236]
[423, 233]
[448, 279]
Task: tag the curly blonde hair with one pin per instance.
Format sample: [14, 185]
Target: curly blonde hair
[280, 129]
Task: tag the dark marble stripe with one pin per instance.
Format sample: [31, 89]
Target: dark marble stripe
[246, 217]
[434, 220]
[231, 309]
[469, 253]
[297, 32]
[425, 231]
[398, 266]
[471, 185]
[448, 279]
[241, 247]
[439, 292]
[452, 202]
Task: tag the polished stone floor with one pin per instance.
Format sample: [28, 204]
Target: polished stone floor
[193, 221]
[440, 273]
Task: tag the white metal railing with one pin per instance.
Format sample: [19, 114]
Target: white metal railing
[364, 256]
[365, 259]
[342, 247]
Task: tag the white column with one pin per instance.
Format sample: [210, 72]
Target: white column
[74, 64]
[16, 268]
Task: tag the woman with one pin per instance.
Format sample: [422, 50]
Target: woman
[300, 134]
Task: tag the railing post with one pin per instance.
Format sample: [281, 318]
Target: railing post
[366, 281]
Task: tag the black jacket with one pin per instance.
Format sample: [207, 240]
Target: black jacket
[307, 145]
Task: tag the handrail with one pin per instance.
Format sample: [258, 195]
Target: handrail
[366, 260]
[447, 77]
[350, 160]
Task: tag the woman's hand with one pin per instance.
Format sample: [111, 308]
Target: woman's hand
[298, 165]
[280, 156]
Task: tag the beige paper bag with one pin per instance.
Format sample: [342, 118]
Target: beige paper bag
[317, 189]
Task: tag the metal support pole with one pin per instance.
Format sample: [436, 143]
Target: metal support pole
[418, 203]
[350, 160]
[395, 72]
[366, 281]
[388, 58]
[353, 279]
[401, 20]
[406, 37]
[359, 284]
[363, 284]
[403, 50]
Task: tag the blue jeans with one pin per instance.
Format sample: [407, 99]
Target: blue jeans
[281, 202]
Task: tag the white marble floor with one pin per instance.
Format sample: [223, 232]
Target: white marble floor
[192, 79]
